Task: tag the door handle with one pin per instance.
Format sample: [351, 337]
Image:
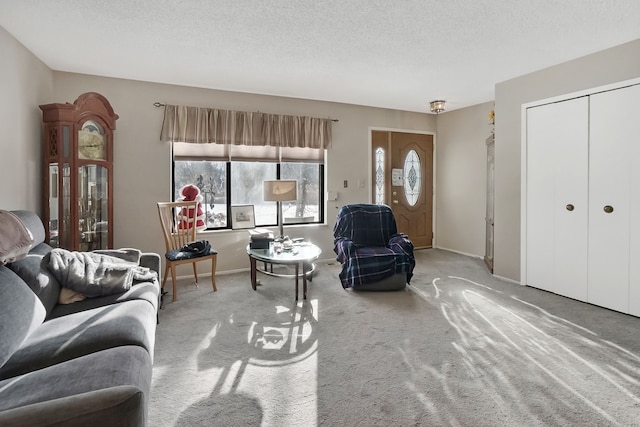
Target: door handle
[608, 209]
[570, 207]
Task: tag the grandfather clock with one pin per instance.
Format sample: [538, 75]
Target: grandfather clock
[78, 173]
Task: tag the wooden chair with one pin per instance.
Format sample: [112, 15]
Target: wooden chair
[175, 237]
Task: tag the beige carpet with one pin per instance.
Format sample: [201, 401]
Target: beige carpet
[456, 348]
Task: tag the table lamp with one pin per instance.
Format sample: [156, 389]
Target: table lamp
[280, 191]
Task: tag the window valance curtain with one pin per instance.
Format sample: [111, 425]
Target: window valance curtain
[206, 126]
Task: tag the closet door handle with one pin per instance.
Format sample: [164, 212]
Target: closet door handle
[608, 209]
[570, 207]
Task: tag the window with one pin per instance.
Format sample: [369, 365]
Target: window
[412, 177]
[226, 183]
[309, 206]
[211, 178]
[228, 154]
[246, 189]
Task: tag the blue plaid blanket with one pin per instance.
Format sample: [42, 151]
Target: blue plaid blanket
[369, 247]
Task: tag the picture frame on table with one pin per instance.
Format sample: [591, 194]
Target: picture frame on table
[242, 217]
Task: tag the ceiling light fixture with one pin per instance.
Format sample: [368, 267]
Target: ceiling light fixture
[436, 106]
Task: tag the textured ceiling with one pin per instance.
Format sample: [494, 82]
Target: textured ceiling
[397, 54]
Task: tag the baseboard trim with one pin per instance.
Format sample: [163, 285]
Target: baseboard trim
[460, 252]
[506, 279]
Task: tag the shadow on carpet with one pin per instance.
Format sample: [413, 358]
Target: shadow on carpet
[457, 347]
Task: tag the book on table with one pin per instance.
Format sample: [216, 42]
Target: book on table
[260, 233]
[260, 238]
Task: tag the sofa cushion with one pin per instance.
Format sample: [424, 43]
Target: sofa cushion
[109, 387]
[21, 312]
[146, 291]
[121, 406]
[33, 270]
[75, 335]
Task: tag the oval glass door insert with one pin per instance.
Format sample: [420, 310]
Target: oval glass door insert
[412, 177]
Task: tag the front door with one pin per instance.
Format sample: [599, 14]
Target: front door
[403, 179]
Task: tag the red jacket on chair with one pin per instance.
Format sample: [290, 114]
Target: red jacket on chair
[190, 193]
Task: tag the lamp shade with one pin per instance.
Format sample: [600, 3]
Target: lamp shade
[280, 190]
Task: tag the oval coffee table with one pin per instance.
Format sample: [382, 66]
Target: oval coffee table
[303, 254]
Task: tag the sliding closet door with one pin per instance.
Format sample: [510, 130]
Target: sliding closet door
[633, 95]
[571, 199]
[557, 177]
[615, 129]
[539, 219]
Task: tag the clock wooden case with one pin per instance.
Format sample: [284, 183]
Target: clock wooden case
[78, 173]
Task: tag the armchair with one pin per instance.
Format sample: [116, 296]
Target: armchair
[374, 256]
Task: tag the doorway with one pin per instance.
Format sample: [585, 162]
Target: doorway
[402, 172]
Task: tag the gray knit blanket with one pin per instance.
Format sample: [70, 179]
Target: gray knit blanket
[94, 274]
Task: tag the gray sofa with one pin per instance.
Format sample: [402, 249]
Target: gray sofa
[87, 363]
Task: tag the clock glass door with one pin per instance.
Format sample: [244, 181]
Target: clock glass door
[93, 207]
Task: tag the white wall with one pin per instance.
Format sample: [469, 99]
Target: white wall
[142, 173]
[601, 68]
[25, 83]
[461, 165]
